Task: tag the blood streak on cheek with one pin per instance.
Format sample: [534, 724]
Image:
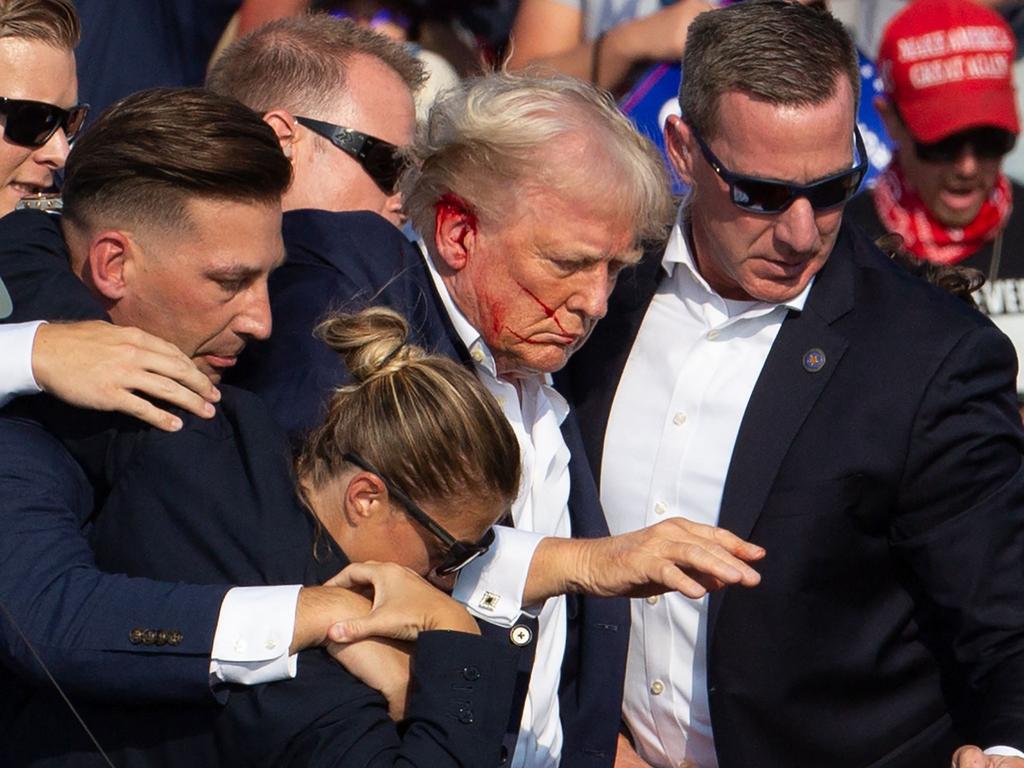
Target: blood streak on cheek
[547, 310]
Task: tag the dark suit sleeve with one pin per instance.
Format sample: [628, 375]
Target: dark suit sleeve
[961, 533]
[462, 689]
[77, 618]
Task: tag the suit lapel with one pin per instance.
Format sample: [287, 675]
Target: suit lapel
[803, 358]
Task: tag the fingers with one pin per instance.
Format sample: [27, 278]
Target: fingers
[171, 392]
[969, 757]
[149, 413]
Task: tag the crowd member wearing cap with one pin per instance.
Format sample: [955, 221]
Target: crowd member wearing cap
[949, 105]
[773, 373]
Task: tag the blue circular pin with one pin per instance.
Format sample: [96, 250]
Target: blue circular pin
[814, 360]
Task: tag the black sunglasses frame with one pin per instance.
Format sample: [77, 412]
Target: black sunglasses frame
[987, 143]
[52, 117]
[793, 191]
[382, 160]
[458, 554]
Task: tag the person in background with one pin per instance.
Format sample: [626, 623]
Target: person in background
[600, 42]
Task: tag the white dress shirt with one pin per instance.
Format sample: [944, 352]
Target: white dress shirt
[491, 586]
[16, 340]
[668, 445]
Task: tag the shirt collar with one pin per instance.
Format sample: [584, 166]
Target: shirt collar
[677, 253]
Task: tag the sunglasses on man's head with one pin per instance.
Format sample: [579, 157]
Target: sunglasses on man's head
[382, 161]
[458, 554]
[32, 123]
[758, 195]
[987, 143]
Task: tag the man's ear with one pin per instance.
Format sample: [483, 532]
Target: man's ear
[455, 231]
[681, 147]
[109, 263]
[891, 119]
[365, 497]
[285, 127]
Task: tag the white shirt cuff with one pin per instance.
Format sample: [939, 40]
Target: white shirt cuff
[254, 632]
[491, 587]
[16, 340]
[1004, 752]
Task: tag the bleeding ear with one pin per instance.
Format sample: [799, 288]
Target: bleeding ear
[680, 146]
[455, 231]
[108, 263]
[284, 125]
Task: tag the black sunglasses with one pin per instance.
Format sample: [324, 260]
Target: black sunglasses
[757, 195]
[32, 123]
[458, 554]
[382, 161]
[987, 142]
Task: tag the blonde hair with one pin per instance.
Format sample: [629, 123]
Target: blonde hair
[490, 138]
[54, 22]
[423, 420]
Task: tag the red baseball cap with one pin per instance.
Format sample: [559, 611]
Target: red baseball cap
[947, 66]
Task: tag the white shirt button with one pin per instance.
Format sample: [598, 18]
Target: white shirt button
[679, 419]
[652, 600]
[661, 508]
[271, 644]
[712, 335]
[477, 354]
[657, 687]
[240, 646]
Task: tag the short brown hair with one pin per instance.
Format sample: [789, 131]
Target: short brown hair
[776, 51]
[301, 63]
[423, 420]
[53, 22]
[151, 152]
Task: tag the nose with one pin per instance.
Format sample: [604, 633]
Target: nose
[255, 321]
[966, 163]
[54, 153]
[591, 295]
[797, 228]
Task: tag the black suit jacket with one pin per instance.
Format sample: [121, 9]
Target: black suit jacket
[353, 260]
[215, 503]
[888, 490]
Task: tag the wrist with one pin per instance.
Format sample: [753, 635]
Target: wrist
[320, 608]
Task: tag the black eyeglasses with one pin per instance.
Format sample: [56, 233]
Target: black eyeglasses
[757, 195]
[32, 123]
[382, 161]
[987, 143]
[458, 554]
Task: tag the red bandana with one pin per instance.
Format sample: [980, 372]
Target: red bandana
[901, 211]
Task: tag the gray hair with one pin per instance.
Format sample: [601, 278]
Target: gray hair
[491, 136]
[300, 63]
[775, 51]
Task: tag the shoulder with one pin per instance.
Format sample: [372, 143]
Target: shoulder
[861, 211]
[36, 462]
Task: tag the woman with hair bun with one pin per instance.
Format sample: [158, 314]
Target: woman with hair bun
[412, 465]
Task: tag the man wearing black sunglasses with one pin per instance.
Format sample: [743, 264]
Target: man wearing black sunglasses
[952, 113]
[39, 113]
[339, 97]
[771, 372]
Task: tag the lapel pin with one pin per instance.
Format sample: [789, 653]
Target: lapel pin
[814, 360]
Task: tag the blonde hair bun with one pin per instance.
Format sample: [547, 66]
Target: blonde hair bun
[373, 343]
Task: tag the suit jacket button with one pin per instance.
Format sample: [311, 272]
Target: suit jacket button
[520, 635]
[466, 716]
[174, 637]
[161, 637]
[135, 636]
[471, 673]
[149, 637]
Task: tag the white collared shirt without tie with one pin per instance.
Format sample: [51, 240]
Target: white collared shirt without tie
[491, 586]
[667, 449]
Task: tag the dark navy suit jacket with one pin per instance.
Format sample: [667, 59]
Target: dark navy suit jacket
[78, 618]
[887, 488]
[353, 260]
[215, 503]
